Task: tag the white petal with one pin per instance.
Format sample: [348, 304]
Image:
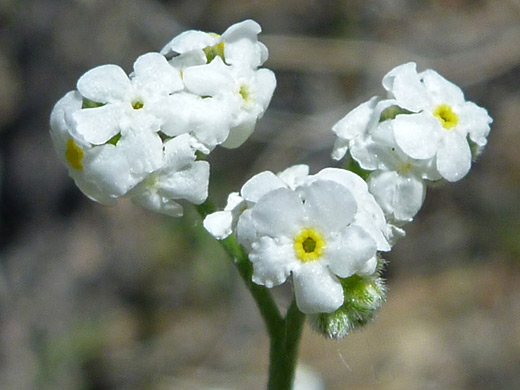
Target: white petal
[247, 28]
[477, 121]
[404, 85]
[108, 170]
[329, 205]
[339, 149]
[278, 213]
[245, 230]
[440, 89]
[265, 84]
[94, 193]
[349, 253]
[142, 147]
[239, 134]
[348, 179]
[188, 41]
[295, 175]
[104, 84]
[316, 289]
[190, 183]
[356, 121]
[211, 121]
[210, 79]
[153, 73]
[179, 152]
[453, 157]
[399, 196]
[219, 224]
[177, 112]
[272, 261]
[259, 185]
[416, 135]
[154, 202]
[60, 127]
[97, 125]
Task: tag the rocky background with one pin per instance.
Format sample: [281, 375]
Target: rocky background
[96, 298]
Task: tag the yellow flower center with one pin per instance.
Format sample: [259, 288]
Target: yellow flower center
[308, 245]
[74, 154]
[444, 113]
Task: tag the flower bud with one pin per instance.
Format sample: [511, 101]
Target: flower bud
[363, 296]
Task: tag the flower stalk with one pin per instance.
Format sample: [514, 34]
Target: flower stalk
[284, 332]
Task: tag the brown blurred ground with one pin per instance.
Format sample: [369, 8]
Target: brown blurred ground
[120, 298]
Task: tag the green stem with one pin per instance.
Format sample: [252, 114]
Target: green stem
[284, 333]
[284, 350]
[268, 309]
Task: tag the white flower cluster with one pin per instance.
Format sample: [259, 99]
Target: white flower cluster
[424, 131]
[326, 229]
[319, 228]
[138, 135]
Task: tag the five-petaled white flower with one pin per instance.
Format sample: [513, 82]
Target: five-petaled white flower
[440, 121]
[318, 228]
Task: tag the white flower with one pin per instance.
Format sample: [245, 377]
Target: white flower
[222, 223]
[243, 92]
[137, 164]
[181, 177]
[238, 45]
[116, 97]
[354, 125]
[440, 122]
[105, 172]
[317, 228]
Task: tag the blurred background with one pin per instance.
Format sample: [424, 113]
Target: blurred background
[95, 298]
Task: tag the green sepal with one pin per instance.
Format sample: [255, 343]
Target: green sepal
[115, 139]
[87, 103]
[392, 111]
[363, 295]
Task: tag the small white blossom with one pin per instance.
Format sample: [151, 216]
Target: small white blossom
[318, 228]
[136, 164]
[237, 46]
[117, 97]
[181, 177]
[418, 135]
[440, 122]
[243, 92]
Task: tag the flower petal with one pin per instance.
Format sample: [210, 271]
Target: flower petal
[453, 157]
[190, 183]
[151, 200]
[259, 185]
[316, 289]
[219, 224]
[398, 196]
[477, 120]
[440, 89]
[295, 175]
[104, 84]
[272, 261]
[330, 206]
[416, 135]
[278, 213]
[356, 121]
[188, 41]
[209, 79]
[404, 85]
[98, 125]
[349, 253]
[153, 73]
